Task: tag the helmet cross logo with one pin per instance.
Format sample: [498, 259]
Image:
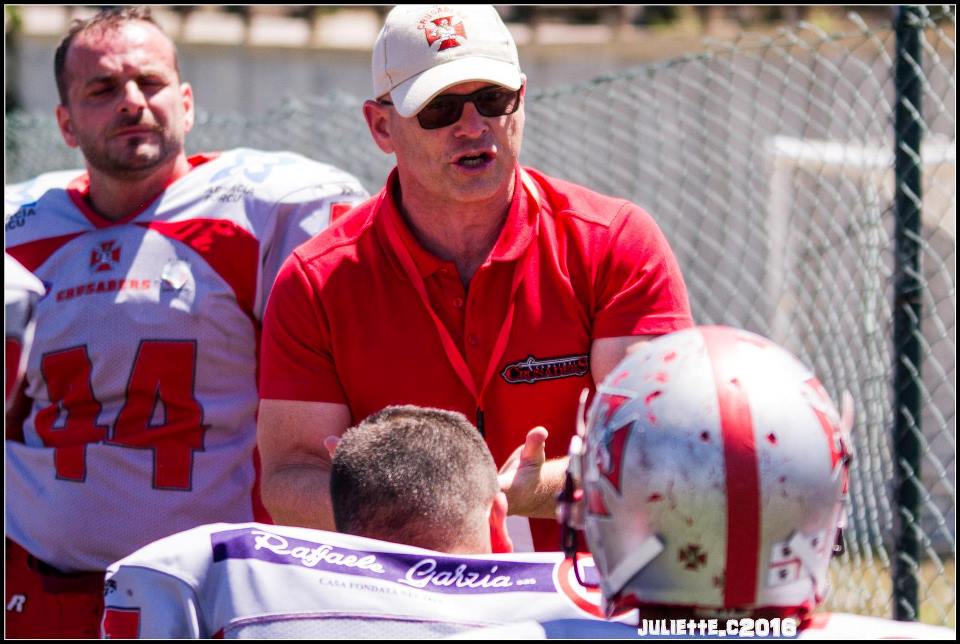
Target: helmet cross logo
[692, 557]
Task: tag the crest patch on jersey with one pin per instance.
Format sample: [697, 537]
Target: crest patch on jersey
[175, 275]
[105, 256]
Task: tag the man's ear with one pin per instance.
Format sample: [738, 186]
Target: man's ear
[186, 94]
[66, 126]
[499, 538]
[377, 117]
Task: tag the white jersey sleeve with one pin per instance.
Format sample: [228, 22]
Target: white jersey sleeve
[254, 580]
[21, 290]
[143, 372]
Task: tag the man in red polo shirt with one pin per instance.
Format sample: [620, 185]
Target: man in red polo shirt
[468, 283]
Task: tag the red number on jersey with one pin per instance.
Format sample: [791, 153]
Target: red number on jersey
[160, 413]
[13, 353]
[68, 382]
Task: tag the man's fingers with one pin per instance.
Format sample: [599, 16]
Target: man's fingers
[534, 448]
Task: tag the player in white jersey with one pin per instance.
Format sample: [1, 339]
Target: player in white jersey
[710, 476]
[267, 582]
[143, 372]
[418, 477]
[21, 290]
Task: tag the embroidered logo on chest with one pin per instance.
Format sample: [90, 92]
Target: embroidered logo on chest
[532, 369]
[105, 256]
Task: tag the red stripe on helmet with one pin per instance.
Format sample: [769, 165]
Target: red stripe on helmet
[742, 471]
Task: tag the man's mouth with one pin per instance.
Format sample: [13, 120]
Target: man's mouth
[474, 160]
[133, 130]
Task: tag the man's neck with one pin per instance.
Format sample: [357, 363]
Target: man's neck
[114, 197]
[463, 233]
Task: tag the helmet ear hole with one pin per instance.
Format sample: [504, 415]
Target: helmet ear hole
[839, 546]
[725, 451]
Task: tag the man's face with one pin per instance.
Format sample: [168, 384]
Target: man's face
[471, 160]
[127, 110]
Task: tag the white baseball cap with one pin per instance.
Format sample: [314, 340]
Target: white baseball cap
[424, 49]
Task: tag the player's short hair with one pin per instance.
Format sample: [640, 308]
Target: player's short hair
[103, 21]
[418, 476]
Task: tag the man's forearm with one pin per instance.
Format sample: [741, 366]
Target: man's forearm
[299, 495]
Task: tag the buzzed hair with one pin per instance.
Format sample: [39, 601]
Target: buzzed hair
[418, 476]
[102, 22]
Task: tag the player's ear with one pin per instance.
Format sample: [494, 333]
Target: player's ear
[66, 126]
[499, 538]
[377, 116]
[186, 94]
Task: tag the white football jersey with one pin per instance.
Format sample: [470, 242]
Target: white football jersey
[143, 373]
[21, 289]
[265, 581]
[823, 626]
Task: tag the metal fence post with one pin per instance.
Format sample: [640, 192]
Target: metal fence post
[907, 310]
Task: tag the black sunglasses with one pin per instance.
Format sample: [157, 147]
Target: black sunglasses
[447, 109]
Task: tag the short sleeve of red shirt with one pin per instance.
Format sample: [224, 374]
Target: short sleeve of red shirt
[296, 361]
[640, 290]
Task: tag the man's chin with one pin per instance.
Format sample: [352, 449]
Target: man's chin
[137, 161]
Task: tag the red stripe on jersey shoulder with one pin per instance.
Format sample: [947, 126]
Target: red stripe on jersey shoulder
[742, 473]
[226, 247]
[33, 254]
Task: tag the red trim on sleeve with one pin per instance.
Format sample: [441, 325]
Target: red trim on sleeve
[12, 351]
[742, 474]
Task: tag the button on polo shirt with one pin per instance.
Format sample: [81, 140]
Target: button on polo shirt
[362, 315]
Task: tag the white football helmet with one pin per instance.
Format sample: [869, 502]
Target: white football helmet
[711, 478]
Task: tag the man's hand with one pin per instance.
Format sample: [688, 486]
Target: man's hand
[529, 480]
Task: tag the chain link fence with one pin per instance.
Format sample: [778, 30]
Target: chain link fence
[769, 164]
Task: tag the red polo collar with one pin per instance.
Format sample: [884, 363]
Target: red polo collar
[518, 231]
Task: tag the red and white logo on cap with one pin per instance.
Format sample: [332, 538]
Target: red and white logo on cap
[444, 27]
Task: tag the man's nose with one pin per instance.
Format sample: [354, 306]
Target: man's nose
[132, 98]
[471, 123]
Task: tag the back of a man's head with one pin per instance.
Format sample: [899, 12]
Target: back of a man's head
[417, 476]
